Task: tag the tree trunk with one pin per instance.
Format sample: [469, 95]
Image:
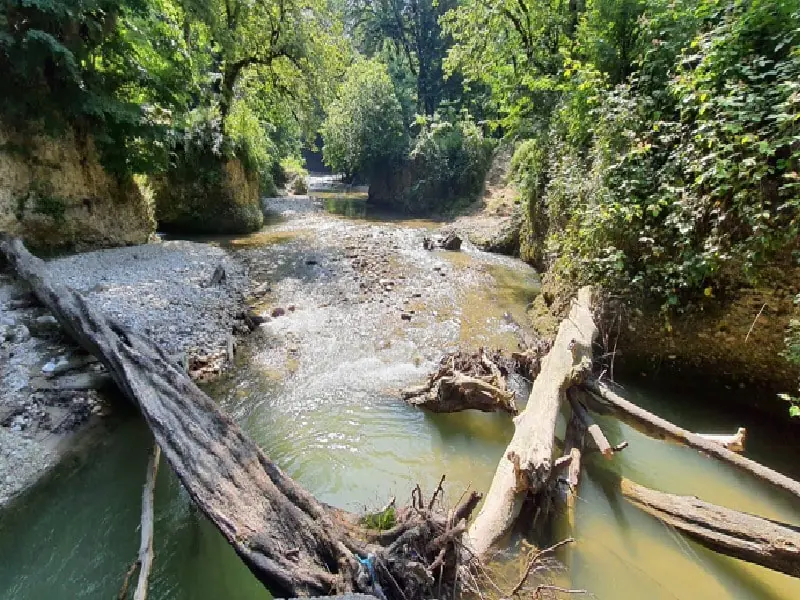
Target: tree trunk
[291, 542]
[747, 537]
[526, 464]
[652, 423]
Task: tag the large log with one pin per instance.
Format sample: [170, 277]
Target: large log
[741, 535]
[653, 423]
[294, 544]
[526, 465]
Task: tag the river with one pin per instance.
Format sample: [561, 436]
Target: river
[369, 311]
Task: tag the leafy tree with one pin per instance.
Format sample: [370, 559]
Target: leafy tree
[412, 29]
[363, 130]
[101, 67]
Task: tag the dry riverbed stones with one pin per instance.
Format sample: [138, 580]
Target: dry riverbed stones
[188, 297]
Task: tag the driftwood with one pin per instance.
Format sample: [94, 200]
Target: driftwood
[566, 484]
[741, 535]
[652, 423]
[291, 542]
[464, 382]
[144, 559]
[734, 443]
[592, 428]
[526, 467]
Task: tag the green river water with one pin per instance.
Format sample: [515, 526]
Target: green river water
[324, 406]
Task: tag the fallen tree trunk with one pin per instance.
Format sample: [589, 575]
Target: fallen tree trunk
[526, 465]
[653, 423]
[740, 535]
[148, 522]
[734, 443]
[291, 542]
[592, 428]
[457, 392]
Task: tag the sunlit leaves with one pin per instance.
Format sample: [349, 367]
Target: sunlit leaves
[363, 129]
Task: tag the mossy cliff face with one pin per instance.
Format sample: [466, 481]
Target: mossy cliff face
[737, 343]
[55, 194]
[208, 194]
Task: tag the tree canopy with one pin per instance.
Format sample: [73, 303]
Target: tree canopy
[364, 129]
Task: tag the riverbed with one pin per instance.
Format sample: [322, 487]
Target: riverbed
[365, 311]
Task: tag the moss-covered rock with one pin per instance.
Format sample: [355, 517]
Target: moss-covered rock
[205, 193]
[56, 195]
[736, 343]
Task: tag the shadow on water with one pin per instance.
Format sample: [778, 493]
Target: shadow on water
[75, 535]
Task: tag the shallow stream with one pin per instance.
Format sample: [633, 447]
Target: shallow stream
[368, 311]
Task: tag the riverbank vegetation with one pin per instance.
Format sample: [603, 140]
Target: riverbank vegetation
[656, 141]
[661, 146]
[225, 88]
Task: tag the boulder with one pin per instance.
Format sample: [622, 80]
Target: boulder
[206, 193]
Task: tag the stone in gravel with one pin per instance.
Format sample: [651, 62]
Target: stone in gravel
[256, 318]
[44, 325]
[405, 316]
[21, 334]
[278, 311]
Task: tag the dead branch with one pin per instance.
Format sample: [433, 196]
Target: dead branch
[653, 424]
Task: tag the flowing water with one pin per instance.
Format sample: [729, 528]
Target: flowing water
[368, 312]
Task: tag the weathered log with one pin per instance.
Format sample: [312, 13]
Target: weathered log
[653, 423]
[294, 544]
[592, 428]
[74, 381]
[457, 392]
[465, 381]
[574, 442]
[734, 443]
[526, 466]
[144, 559]
[740, 535]
[566, 487]
[146, 546]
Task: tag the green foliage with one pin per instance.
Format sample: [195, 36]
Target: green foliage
[380, 520]
[363, 130]
[96, 67]
[449, 161]
[39, 199]
[407, 35]
[665, 152]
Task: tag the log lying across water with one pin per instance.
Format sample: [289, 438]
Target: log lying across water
[290, 541]
[653, 423]
[741, 535]
[526, 469]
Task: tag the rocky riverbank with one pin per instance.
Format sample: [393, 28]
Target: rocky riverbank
[188, 297]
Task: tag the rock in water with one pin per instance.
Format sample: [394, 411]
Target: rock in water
[451, 242]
